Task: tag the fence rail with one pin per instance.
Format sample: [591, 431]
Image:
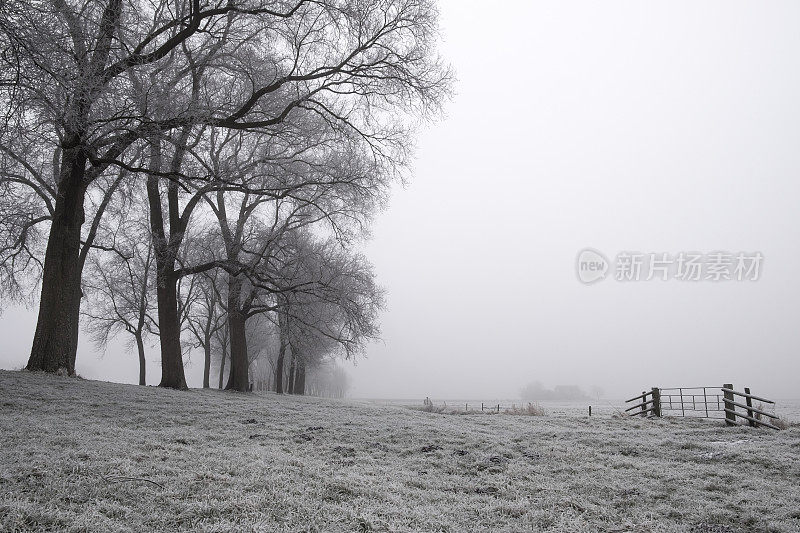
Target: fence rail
[703, 402]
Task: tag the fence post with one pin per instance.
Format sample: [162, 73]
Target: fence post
[498, 407]
[749, 404]
[481, 407]
[727, 397]
[656, 402]
[644, 400]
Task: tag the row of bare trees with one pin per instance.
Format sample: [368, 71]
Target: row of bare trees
[202, 172]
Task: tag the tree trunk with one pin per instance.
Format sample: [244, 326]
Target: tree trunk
[291, 374]
[169, 327]
[207, 363]
[300, 378]
[169, 324]
[279, 368]
[55, 342]
[238, 378]
[140, 347]
[222, 366]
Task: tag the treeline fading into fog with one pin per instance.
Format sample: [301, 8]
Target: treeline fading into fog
[535, 391]
[199, 174]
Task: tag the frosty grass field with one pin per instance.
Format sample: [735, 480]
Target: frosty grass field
[92, 456]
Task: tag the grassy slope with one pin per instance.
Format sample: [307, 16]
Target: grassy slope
[235, 462]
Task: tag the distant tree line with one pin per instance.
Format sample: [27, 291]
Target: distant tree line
[200, 173]
[535, 391]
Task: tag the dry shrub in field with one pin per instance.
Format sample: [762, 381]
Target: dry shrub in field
[429, 407]
[532, 409]
[619, 413]
[779, 423]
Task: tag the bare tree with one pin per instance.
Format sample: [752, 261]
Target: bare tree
[337, 189]
[332, 308]
[27, 198]
[221, 349]
[205, 318]
[368, 68]
[262, 345]
[329, 380]
[120, 288]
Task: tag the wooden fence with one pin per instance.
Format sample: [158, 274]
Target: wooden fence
[703, 402]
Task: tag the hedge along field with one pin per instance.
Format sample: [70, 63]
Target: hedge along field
[92, 456]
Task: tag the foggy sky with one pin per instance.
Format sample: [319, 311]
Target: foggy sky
[620, 126]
